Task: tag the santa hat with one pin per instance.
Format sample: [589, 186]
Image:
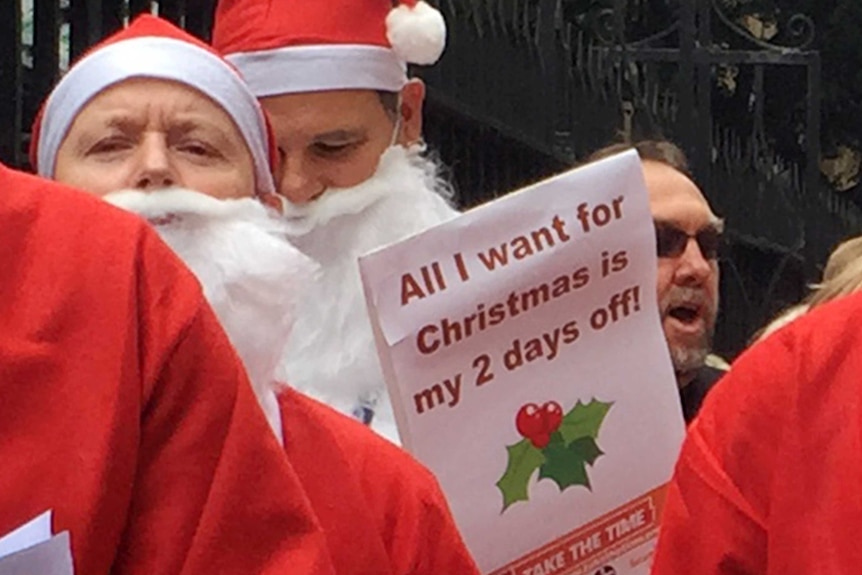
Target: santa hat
[152, 48]
[289, 46]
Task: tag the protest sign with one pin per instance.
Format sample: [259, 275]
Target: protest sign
[523, 351]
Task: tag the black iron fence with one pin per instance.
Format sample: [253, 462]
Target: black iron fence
[39, 37]
[528, 87]
[568, 76]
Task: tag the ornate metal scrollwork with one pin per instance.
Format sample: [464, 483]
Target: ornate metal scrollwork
[802, 28]
[605, 25]
[610, 22]
[795, 32]
[601, 23]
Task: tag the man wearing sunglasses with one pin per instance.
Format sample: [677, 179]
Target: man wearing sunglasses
[688, 237]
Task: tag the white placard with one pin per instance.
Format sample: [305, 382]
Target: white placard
[523, 351]
[35, 531]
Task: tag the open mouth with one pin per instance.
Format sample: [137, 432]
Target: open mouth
[686, 314]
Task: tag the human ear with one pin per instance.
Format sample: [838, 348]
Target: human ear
[410, 111]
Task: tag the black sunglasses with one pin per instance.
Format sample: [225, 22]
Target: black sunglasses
[671, 241]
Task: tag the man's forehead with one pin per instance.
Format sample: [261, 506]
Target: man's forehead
[672, 195]
[326, 111]
[344, 101]
[132, 99]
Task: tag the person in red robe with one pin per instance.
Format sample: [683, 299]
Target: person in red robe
[332, 77]
[768, 478]
[129, 418]
[172, 136]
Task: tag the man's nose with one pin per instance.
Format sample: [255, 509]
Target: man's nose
[155, 170]
[298, 182]
[693, 268]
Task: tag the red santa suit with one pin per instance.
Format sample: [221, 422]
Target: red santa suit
[298, 46]
[768, 478]
[124, 409]
[382, 512]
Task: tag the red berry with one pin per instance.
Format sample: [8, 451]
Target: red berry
[530, 421]
[538, 423]
[553, 416]
[541, 440]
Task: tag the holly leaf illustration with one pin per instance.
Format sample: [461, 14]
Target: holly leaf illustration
[587, 449]
[524, 459]
[584, 420]
[565, 465]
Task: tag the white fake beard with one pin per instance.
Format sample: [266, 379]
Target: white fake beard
[251, 276]
[398, 166]
[332, 356]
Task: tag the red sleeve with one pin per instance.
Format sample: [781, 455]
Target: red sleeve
[383, 512]
[418, 527]
[424, 539]
[714, 520]
[213, 491]
[708, 526]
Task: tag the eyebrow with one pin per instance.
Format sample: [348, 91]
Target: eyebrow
[108, 122]
[715, 223]
[196, 123]
[358, 133]
[197, 126]
[186, 125]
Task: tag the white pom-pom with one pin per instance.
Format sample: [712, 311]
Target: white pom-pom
[417, 34]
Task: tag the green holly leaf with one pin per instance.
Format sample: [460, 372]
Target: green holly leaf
[563, 460]
[524, 459]
[586, 449]
[564, 465]
[584, 420]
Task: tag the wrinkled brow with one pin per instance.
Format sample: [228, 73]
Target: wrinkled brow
[122, 122]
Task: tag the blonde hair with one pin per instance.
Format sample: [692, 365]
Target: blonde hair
[842, 281]
[845, 254]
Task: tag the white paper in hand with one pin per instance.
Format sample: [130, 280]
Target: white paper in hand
[525, 358]
[31, 533]
[31, 549]
[53, 557]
